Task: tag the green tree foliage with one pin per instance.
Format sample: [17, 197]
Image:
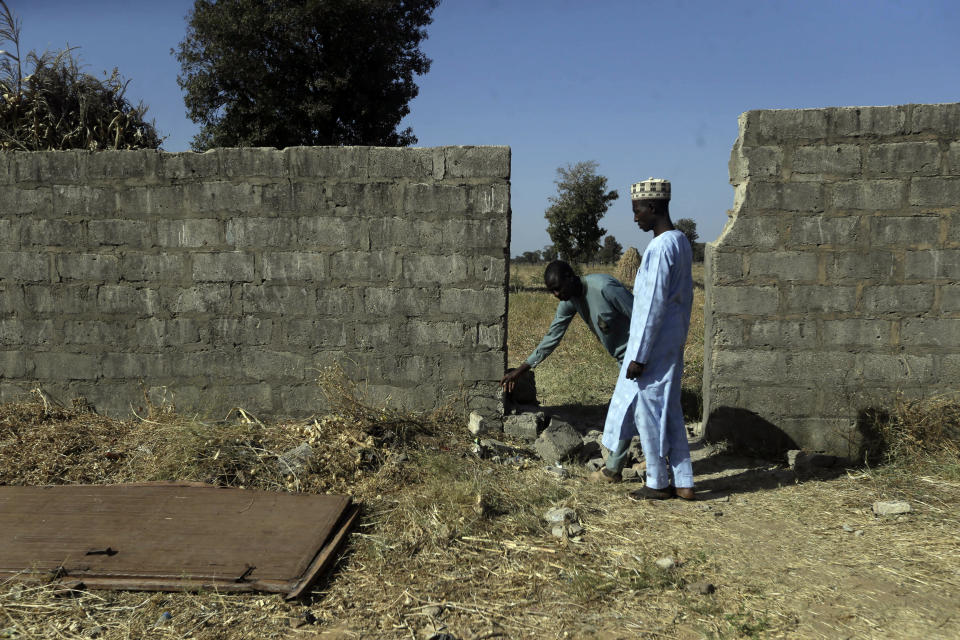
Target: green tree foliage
[611, 251]
[529, 257]
[574, 214]
[303, 72]
[58, 106]
[689, 228]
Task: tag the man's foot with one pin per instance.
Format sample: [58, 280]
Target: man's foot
[604, 475]
[646, 493]
[685, 493]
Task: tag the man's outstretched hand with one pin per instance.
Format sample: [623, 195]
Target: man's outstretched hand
[634, 370]
[509, 380]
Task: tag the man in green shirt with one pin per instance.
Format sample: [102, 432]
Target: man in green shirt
[605, 305]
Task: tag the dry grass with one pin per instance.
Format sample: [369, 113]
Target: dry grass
[449, 541]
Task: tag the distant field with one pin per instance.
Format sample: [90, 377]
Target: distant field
[580, 371]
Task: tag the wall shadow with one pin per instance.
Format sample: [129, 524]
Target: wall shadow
[747, 433]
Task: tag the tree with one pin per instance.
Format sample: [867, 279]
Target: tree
[529, 257]
[549, 253]
[689, 228]
[611, 250]
[574, 215]
[58, 106]
[302, 72]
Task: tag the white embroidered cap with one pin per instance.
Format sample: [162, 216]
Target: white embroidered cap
[651, 189]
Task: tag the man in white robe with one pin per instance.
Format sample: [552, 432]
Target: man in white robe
[646, 401]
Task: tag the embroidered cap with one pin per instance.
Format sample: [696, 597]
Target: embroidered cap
[651, 189]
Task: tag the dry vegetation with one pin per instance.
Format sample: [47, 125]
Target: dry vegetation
[451, 542]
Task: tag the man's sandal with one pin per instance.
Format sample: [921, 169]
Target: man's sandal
[646, 493]
[684, 493]
[604, 475]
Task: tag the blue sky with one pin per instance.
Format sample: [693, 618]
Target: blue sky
[644, 88]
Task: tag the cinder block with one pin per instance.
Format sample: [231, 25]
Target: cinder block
[754, 365]
[124, 298]
[343, 301]
[558, 442]
[328, 162]
[318, 198]
[826, 230]
[248, 162]
[11, 298]
[483, 303]
[745, 300]
[477, 162]
[818, 368]
[132, 166]
[65, 366]
[834, 159]
[855, 122]
[926, 265]
[805, 197]
[174, 332]
[905, 231]
[486, 270]
[377, 198]
[795, 334]
[97, 267]
[780, 401]
[400, 162]
[949, 298]
[877, 265]
[82, 200]
[327, 333]
[783, 265]
[131, 233]
[377, 334]
[447, 334]
[220, 197]
[376, 266]
[857, 333]
[491, 336]
[223, 267]
[935, 192]
[489, 199]
[52, 233]
[190, 166]
[189, 233]
[164, 268]
[469, 367]
[435, 199]
[404, 370]
[14, 364]
[491, 234]
[778, 126]
[379, 301]
[269, 365]
[930, 332]
[250, 330]
[18, 200]
[279, 299]
[747, 231]
[56, 167]
[24, 266]
[88, 332]
[954, 158]
[950, 367]
[756, 162]
[726, 332]
[11, 332]
[896, 368]
[42, 333]
[261, 232]
[897, 299]
[347, 233]
[204, 298]
[903, 159]
[295, 266]
[9, 234]
[425, 270]
[221, 365]
[820, 299]
[940, 119]
[137, 366]
[394, 232]
[61, 299]
[879, 195]
[727, 267]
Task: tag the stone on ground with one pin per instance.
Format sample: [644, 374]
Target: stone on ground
[526, 426]
[558, 442]
[479, 425]
[296, 460]
[560, 515]
[666, 563]
[891, 508]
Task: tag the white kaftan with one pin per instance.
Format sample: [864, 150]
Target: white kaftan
[649, 406]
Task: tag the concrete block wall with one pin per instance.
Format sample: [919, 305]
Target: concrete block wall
[835, 284]
[230, 278]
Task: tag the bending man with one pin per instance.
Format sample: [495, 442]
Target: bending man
[605, 305]
[646, 400]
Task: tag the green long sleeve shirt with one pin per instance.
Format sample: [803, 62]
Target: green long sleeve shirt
[605, 306]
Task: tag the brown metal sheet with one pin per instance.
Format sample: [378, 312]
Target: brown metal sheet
[160, 536]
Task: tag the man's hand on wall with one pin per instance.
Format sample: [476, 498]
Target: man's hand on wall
[509, 380]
